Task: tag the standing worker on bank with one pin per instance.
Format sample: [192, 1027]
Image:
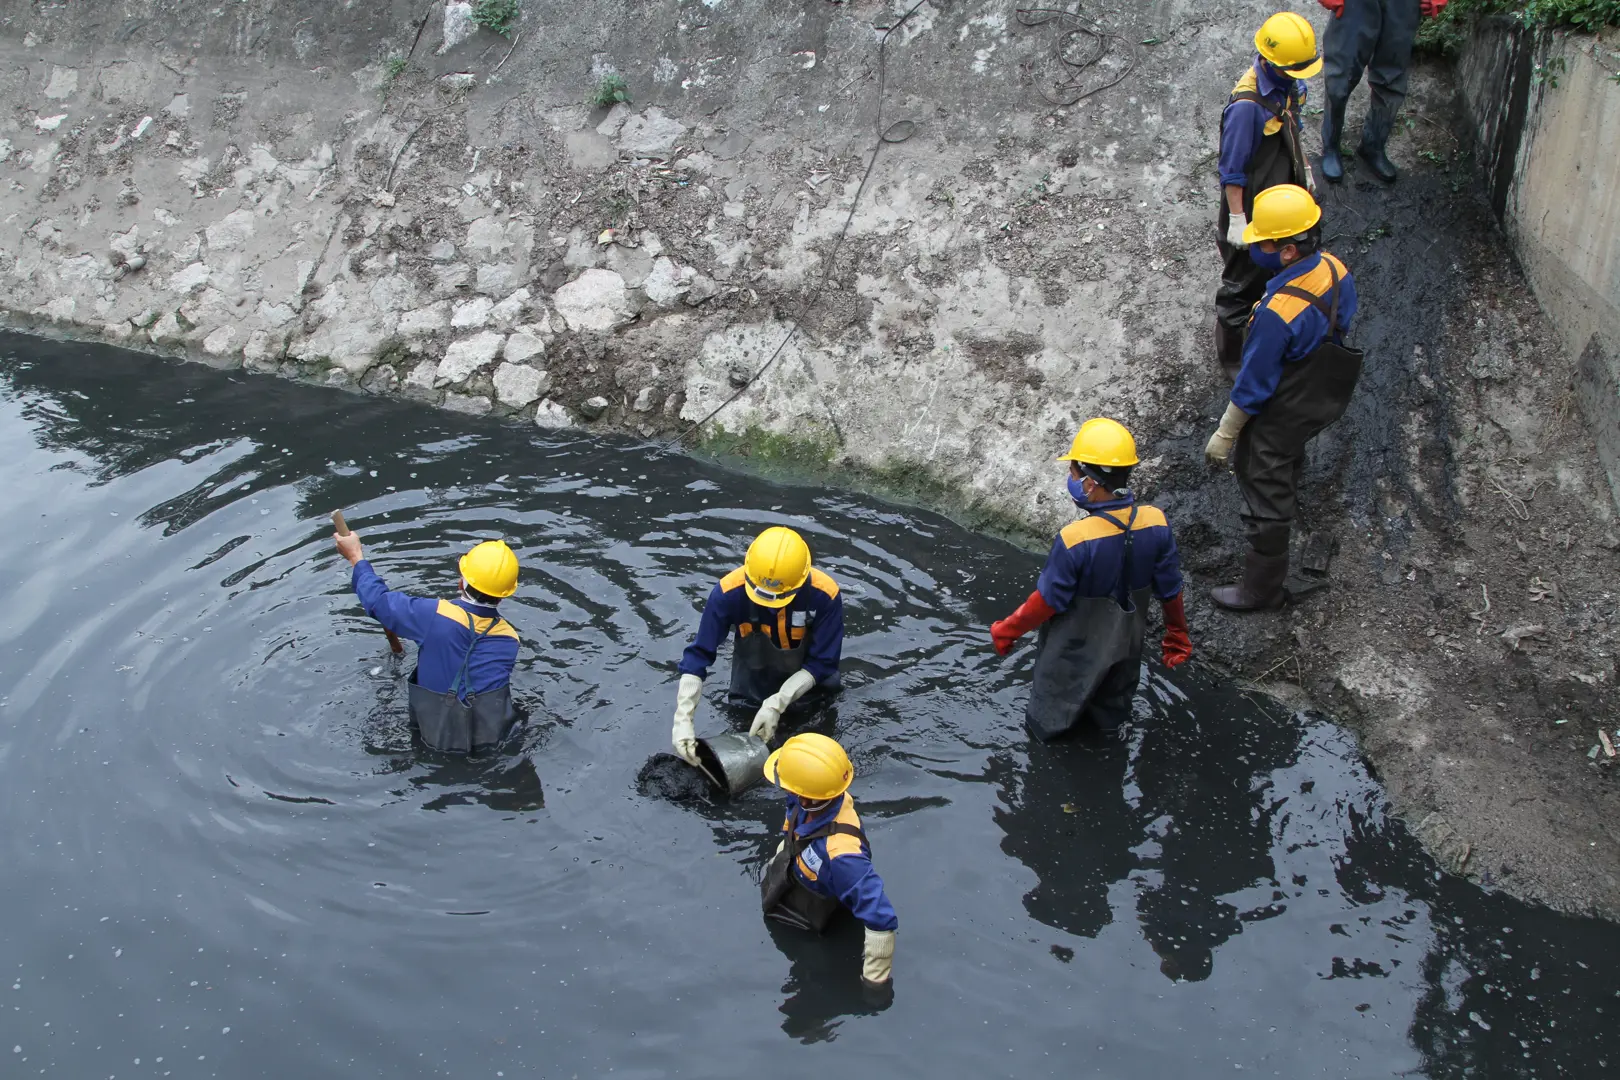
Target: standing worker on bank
[460, 694]
[1260, 147]
[1375, 36]
[1091, 600]
[1297, 378]
[824, 863]
[789, 636]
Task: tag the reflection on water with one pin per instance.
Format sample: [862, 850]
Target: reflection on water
[225, 857]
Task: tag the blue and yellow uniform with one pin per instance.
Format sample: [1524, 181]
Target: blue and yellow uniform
[1088, 556]
[838, 866]
[460, 692]
[1260, 148]
[1286, 327]
[770, 643]
[1096, 583]
[1297, 378]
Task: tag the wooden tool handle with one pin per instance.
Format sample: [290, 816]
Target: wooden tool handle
[343, 530]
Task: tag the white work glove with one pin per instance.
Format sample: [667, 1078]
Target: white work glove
[771, 709]
[1310, 180]
[1235, 224]
[1220, 443]
[877, 963]
[681, 732]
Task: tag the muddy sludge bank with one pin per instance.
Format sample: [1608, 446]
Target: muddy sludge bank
[375, 214]
[1228, 889]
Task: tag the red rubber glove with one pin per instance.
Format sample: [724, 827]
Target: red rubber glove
[1337, 6]
[1034, 611]
[1177, 645]
[1428, 8]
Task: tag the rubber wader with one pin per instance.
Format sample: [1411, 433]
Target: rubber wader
[759, 668]
[1088, 659]
[1312, 393]
[783, 897]
[460, 724]
[1279, 159]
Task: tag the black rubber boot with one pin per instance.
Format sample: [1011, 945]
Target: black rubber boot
[1374, 137]
[1228, 349]
[1261, 588]
[1332, 128]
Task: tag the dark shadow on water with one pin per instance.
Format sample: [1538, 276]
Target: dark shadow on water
[824, 979]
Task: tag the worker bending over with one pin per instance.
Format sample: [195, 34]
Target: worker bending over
[824, 863]
[1260, 147]
[1091, 600]
[1297, 378]
[789, 634]
[460, 694]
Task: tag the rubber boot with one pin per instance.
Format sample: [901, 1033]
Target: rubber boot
[1228, 349]
[1374, 137]
[1332, 128]
[1261, 588]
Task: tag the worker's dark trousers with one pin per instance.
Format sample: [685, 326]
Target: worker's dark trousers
[1269, 460]
[1375, 35]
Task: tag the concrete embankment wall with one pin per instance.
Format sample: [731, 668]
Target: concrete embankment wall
[1546, 111]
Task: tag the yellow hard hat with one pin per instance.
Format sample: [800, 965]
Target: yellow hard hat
[491, 568]
[777, 566]
[1280, 212]
[1102, 442]
[1289, 43]
[811, 766]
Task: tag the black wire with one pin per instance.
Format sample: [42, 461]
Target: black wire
[897, 132]
[1105, 41]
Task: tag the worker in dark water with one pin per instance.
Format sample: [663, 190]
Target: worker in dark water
[789, 635]
[1091, 600]
[1297, 378]
[460, 693]
[1260, 147]
[1374, 36]
[824, 862]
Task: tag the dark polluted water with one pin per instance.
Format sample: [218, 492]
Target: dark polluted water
[222, 857]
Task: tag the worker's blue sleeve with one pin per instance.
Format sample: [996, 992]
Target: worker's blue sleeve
[826, 641]
[1058, 580]
[1263, 351]
[1241, 131]
[719, 617]
[1347, 302]
[407, 616]
[1167, 567]
[855, 882]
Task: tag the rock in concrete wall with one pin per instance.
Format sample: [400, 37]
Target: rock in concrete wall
[1546, 111]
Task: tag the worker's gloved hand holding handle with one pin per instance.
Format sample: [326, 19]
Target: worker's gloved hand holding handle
[681, 733]
[1220, 443]
[771, 709]
[1427, 8]
[1235, 224]
[1177, 646]
[877, 962]
[1004, 633]
[1337, 6]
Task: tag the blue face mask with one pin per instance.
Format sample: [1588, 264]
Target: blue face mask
[1077, 491]
[1266, 260]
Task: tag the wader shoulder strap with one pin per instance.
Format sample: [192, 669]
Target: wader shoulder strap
[1265, 103]
[462, 686]
[1327, 304]
[1123, 597]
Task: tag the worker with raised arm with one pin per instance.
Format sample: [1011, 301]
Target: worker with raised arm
[460, 694]
[1090, 603]
[787, 622]
[1260, 147]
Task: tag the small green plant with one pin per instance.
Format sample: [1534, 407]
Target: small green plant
[395, 67]
[1433, 157]
[1548, 73]
[611, 89]
[498, 15]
